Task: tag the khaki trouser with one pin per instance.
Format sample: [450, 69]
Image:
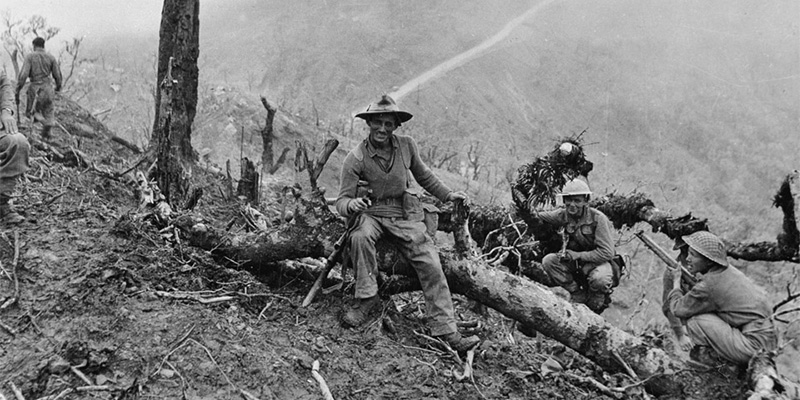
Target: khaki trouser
[735, 345]
[44, 94]
[14, 150]
[418, 248]
[600, 277]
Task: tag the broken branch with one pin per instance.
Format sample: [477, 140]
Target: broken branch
[323, 387]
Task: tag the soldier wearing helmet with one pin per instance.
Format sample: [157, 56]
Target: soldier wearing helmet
[379, 166]
[727, 315]
[583, 267]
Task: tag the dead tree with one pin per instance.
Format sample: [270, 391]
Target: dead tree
[248, 181]
[268, 163]
[176, 98]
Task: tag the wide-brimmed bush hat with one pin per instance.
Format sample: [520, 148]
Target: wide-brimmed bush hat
[709, 245]
[385, 105]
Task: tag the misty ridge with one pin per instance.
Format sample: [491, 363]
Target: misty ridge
[694, 104]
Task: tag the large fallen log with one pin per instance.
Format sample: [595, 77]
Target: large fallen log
[515, 297]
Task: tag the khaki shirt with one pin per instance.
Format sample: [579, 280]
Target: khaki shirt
[363, 163]
[6, 93]
[726, 292]
[38, 66]
[589, 236]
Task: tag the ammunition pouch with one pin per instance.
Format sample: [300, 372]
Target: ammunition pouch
[412, 207]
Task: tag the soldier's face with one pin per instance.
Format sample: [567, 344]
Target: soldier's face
[381, 127]
[698, 262]
[575, 205]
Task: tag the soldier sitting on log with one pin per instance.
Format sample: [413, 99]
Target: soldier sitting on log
[382, 162]
[727, 315]
[584, 267]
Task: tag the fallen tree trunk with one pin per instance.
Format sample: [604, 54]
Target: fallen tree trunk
[517, 298]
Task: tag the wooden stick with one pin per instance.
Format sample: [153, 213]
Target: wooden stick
[591, 381]
[323, 387]
[5, 272]
[14, 263]
[8, 329]
[80, 375]
[16, 391]
[467, 367]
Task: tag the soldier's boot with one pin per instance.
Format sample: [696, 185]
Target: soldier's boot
[576, 294]
[460, 343]
[598, 301]
[704, 357]
[7, 214]
[361, 311]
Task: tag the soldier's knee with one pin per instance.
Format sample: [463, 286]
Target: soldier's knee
[551, 261]
[17, 140]
[602, 284]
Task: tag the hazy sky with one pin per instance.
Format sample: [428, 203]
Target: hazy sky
[96, 18]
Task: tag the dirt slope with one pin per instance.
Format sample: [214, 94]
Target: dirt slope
[92, 277]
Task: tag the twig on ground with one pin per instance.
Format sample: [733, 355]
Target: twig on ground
[80, 375]
[323, 387]
[224, 296]
[183, 381]
[178, 344]
[5, 272]
[443, 344]
[242, 392]
[467, 368]
[591, 381]
[630, 372]
[15, 297]
[8, 329]
[17, 392]
[428, 364]
[263, 310]
[625, 365]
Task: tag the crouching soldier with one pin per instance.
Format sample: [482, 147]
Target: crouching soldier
[383, 162]
[584, 268]
[14, 149]
[726, 314]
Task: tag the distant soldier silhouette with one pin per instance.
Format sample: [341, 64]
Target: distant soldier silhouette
[39, 66]
[14, 149]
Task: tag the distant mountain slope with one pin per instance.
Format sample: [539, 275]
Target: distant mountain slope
[695, 103]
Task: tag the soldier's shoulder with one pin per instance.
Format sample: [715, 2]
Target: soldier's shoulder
[357, 152]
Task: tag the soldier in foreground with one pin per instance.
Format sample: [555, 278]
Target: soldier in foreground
[726, 314]
[14, 149]
[39, 65]
[382, 163]
[584, 267]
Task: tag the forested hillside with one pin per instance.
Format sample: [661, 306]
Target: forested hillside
[694, 103]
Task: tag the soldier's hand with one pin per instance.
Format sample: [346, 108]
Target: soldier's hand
[453, 196]
[8, 121]
[684, 342]
[676, 278]
[566, 256]
[358, 205]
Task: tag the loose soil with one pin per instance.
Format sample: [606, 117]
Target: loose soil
[92, 273]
